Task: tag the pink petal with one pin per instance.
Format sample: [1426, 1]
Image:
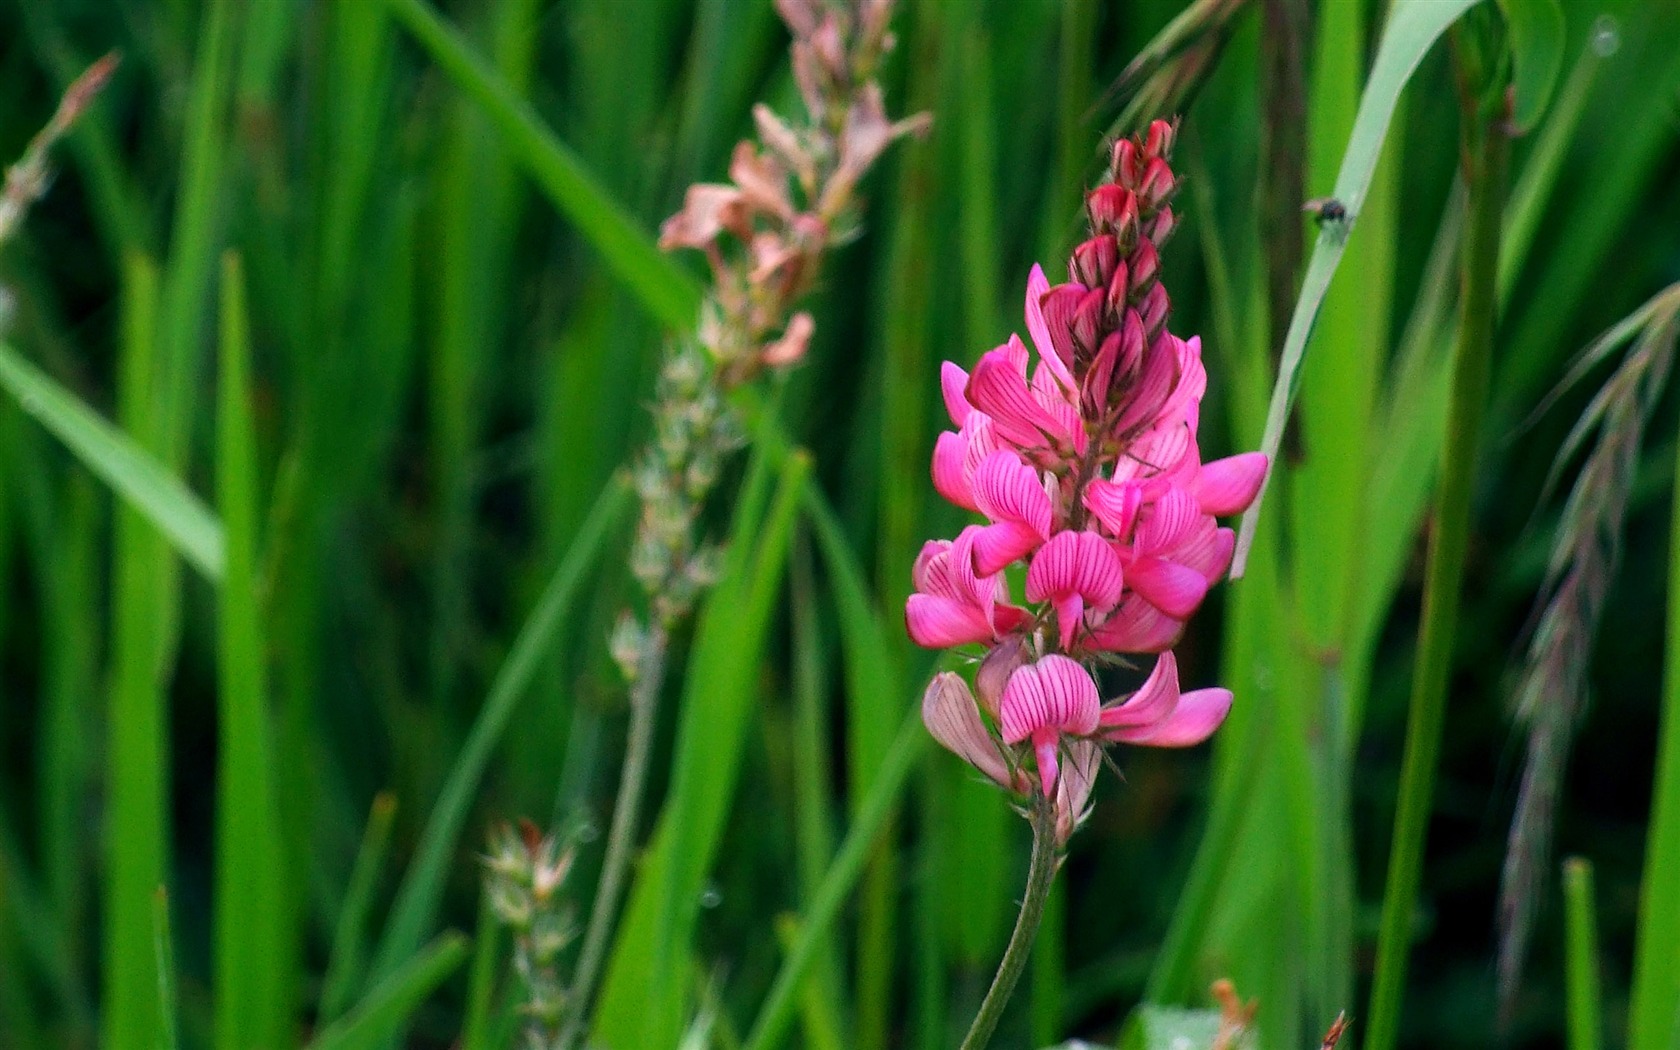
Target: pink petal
[1006, 489]
[1209, 553]
[952, 382]
[1195, 718]
[1136, 627]
[1172, 588]
[994, 671]
[1229, 485]
[1070, 617]
[1046, 743]
[1056, 693]
[1001, 544]
[928, 573]
[940, 623]
[1080, 563]
[951, 717]
[1169, 521]
[999, 390]
[950, 473]
[1114, 505]
[1056, 309]
[1037, 286]
[1153, 701]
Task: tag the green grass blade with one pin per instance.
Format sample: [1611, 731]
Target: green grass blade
[1413, 27]
[348, 957]
[1654, 1009]
[1581, 957]
[136, 779]
[118, 460]
[776, 1012]
[1536, 28]
[387, 1007]
[481, 980]
[417, 900]
[668, 292]
[164, 958]
[254, 964]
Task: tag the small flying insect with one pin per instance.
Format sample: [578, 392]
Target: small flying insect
[1326, 209]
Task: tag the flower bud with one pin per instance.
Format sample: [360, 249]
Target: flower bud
[1162, 226]
[951, 718]
[1157, 184]
[1113, 209]
[1119, 293]
[1153, 310]
[1145, 268]
[1087, 323]
[1093, 262]
[1158, 141]
[1126, 166]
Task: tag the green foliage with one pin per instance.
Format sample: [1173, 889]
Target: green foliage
[406, 549]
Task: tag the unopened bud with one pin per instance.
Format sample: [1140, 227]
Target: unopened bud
[1093, 261]
[1119, 293]
[1153, 309]
[1162, 226]
[1158, 140]
[995, 670]
[1113, 209]
[1157, 184]
[1125, 165]
[1145, 268]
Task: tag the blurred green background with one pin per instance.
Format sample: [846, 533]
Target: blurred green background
[444, 371]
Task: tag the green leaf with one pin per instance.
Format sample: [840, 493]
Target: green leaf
[1413, 27]
[116, 459]
[388, 1006]
[1536, 38]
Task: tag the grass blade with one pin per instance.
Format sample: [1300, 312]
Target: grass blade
[667, 290]
[1413, 27]
[118, 460]
[164, 957]
[1581, 959]
[388, 1006]
[254, 964]
[345, 964]
[422, 887]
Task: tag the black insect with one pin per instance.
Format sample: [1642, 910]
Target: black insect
[1326, 209]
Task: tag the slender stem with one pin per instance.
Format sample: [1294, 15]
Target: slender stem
[1039, 878]
[1484, 151]
[621, 840]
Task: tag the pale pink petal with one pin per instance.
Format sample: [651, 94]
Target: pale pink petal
[1195, 718]
[1073, 790]
[950, 470]
[994, 671]
[1172, 588]
[951, 717]
[1056, 693]
[934, 622]
[1037, 286]
[1229, 485]
[952, 382]
[1209, 553]
[928, 573]
[1153, 701]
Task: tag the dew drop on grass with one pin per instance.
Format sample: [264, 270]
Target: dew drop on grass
[1606, 36]
[710, 897]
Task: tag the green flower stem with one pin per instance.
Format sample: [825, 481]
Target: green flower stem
[1040, 875]
[621, 840]
[1484, 149]
[1581, 963]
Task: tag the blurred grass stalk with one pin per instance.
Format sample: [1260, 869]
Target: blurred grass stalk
[1581, 955]
[1485, 150]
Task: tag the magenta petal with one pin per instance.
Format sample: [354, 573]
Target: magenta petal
[1153, 701]
[1136, 627]
[1006, 489]
[1170, 520]
[952, 382]
[1114, 505]
[1070, 617]
[1195, 718]
[950, 470]
[1172, 588]
[951, 717]
[998, 389]
[1080, 563]
[1037, 286]
[1208, 553]
[940, 623]
[1056, 693]
[1045, 744]
[1229, 485]
[999, 545]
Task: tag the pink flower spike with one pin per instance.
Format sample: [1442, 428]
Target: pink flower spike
[1227, 486]
[952, 382]
[1012, 495]
[1153, 701]
[1044, 701]
[1075, 571]
[1197, 715]
[951, 717]
[1037, 287]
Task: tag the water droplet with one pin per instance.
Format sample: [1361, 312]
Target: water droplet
[710, 897]
[1606, 36]
[588, 832]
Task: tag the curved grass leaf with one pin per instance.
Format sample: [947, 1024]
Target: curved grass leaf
[389, 1005]
[666, 289]
[1413, 27]
[1536, 28]
[116, 459]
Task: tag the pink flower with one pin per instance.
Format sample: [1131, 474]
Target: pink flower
[1158, 715]
[951, 717]
[1043, 702]
[1074, 572]
[1011, 494]
[952, 605]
